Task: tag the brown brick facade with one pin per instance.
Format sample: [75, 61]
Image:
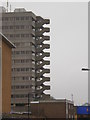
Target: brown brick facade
[6, 78]
[6, 74]
[52, 109]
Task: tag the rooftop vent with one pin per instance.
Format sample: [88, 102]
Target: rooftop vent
[20, 10]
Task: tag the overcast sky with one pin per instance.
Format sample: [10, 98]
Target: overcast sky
[69, 46]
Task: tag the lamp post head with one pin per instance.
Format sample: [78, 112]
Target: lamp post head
[85, 69]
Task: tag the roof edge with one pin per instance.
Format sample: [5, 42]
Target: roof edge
[7, 41]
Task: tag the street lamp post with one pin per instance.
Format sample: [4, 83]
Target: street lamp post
[28, 105]
[86, 69]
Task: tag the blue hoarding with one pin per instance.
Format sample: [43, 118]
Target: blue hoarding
[83, 110]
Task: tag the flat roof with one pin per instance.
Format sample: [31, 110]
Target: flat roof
[13, 14]
[6, 40]
[54, 101]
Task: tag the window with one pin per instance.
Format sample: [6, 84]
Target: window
[22, 26]
[23, 78]
[22, 18]
[22, 52]
[17, 18]
[27, 44]
[17, 35]
[22, 69]
[28, 60]
[18, 69]
[27, 18]
[27, 69]
[17, 26]
[19, 96]
[27, 86]
[27, 35]
[17, 44]
[6, 18]
[16, 52]
[16, 96]
[27, 52]
[11, 35]
[11, 27]
[22, 87]
[27, 26]
[11, 18]
[13, 78]
[16, 61]
[17, 87]
[22, 35]
[22, 61]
